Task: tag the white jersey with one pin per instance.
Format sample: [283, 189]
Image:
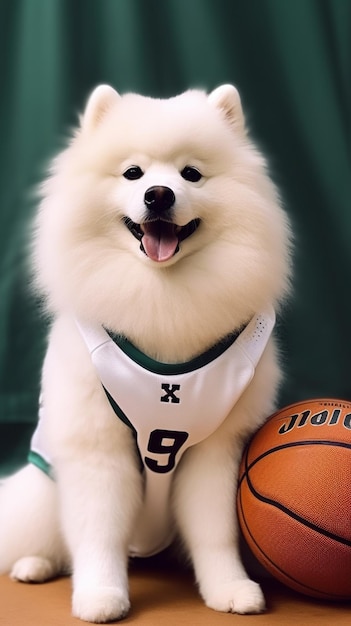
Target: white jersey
[169, 408]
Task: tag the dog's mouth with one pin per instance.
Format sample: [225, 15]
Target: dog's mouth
[159, 239]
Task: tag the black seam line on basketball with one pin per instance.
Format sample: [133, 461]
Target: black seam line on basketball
[277, 567]
[283, 572]
[262, 552]
[285, 509]
[293, 444]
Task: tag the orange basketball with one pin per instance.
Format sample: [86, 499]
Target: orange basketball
[294, 497]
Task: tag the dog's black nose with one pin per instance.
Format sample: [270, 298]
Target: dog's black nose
[159, 198]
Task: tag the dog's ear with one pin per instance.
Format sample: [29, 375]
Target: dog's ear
[100, 101]
[226, 98]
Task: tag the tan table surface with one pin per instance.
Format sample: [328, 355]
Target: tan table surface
[163, 594]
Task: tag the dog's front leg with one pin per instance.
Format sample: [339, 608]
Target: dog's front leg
[97, 474]
[204, 503]
[99, 505]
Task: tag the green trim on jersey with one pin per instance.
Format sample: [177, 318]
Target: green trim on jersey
[122, 416]
[39, 461]
[117, 409]
[173, 369]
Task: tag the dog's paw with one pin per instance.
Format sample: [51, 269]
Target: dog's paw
[239, 596]
[32, 569]
[100, 605]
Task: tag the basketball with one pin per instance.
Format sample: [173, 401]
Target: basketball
[294, 497]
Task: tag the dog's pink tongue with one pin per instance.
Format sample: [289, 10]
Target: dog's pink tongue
[160, 241]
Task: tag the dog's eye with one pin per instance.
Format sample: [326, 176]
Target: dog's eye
[133, 172]
[191, 174]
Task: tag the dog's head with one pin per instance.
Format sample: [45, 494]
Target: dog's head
[160, 159]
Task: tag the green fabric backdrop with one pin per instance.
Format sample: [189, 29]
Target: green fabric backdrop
[291, 61]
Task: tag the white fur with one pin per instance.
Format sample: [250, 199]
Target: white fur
[89, 264]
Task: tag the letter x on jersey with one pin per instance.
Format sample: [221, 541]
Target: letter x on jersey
[170, 393]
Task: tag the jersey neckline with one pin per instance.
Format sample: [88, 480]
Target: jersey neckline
[158, 367]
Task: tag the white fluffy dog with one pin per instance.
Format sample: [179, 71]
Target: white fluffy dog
[162, 253]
